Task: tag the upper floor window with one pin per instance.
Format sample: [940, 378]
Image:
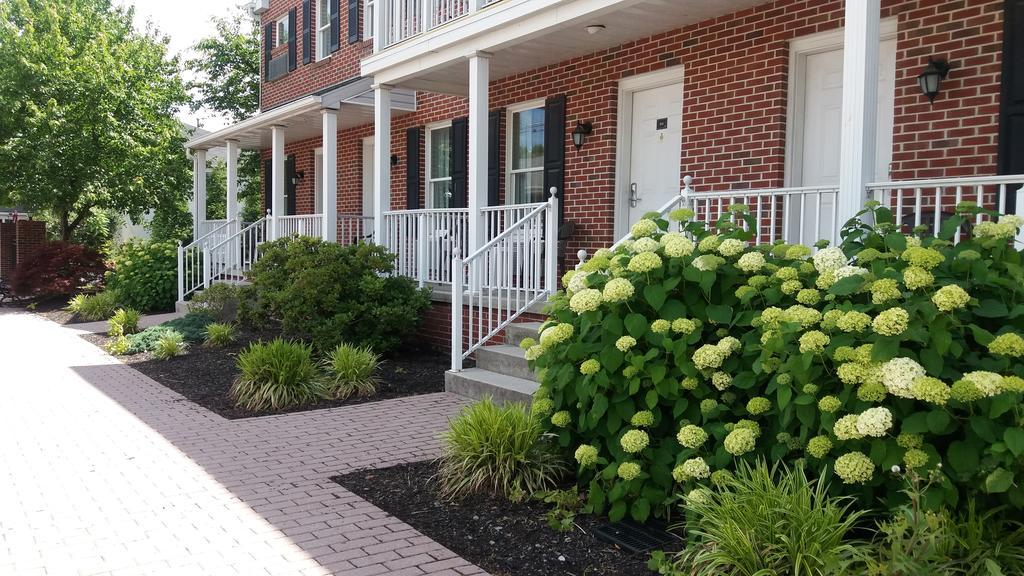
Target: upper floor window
[323, 29]
[439, 166]
[526, 154]
[282, 32]
[368, 18]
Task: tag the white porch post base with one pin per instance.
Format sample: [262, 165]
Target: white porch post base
[860, 103]
[330, 176]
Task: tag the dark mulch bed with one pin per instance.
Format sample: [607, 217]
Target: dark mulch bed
[51, 308]
[204, 375]
[499, 536]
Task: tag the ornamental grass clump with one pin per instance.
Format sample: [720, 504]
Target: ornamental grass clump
[124, 321]
[275, 375]
[169, 345]
[219, 334]
[778, 352]
[92, 307]
[350, 370]
[497, 449]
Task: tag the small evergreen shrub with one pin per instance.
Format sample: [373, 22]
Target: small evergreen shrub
[275, 375]
[124, 321]
[191, 326]
[219, 301]
[93, 307]
[497, 449]
[329, 294]
[57, 268]
[350, 370]
[169, 345]
[145, 274]
[219, 334]
[684, 352]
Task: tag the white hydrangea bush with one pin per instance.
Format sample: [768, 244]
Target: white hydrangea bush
[680, 353]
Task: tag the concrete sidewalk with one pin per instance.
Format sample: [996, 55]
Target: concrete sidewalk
[107, 472]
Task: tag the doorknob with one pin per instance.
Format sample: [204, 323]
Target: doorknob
[633, 198]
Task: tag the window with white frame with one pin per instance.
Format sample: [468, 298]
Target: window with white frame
[525, 154]
[323, 29]
[282, 32]
[369, 6]
[439, 166]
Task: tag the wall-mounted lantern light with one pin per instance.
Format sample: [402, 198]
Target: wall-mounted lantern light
[297, 177]
[931, 79]
[579, 134]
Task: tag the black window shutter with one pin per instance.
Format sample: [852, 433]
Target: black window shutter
[412, 168]
[268, 185]
[353, 21]
[1011, 121]
[460, 163]
[268, 46]
[554, 150]
[335, 9]
[289, 187]
[307, 46]
[292, 40]
[494, 157]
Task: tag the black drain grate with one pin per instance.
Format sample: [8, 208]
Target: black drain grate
[634, 537]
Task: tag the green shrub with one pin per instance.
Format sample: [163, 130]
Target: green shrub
[145, 274]
[496, 449]
[349, 370]
[219, 301]
[668, 359]
[119, 346]
[277, 374]
[219, 334]
[767, 521]
[191, 326]
[330, 294]
[169, 345]
[92, 307]
[124, 321]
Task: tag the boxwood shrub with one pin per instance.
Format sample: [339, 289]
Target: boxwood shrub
[676, 356]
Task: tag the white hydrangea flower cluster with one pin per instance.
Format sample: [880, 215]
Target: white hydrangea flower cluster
[829, 260]
[899, 374]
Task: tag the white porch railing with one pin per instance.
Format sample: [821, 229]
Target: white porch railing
[354, 228]
[424, 241]
[300, 225]
[494, 285]
[232, 258]
[191, 257]
[206, 226]
[404, 19]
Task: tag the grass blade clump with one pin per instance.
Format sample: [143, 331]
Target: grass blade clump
[92, 307]
[277, 374]
[219, 334]
[125, 321]
[169, 345]
[350, 370]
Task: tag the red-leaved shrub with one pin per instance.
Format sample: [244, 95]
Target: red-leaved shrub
[57, 268]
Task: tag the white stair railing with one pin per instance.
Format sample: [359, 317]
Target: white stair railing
[191, 264]
[497, 283]
[231, 259]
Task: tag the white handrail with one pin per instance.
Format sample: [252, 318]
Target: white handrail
[233, 258]
[191, 266]
[504, 278]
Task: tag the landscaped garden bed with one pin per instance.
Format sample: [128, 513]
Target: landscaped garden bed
[493, 532]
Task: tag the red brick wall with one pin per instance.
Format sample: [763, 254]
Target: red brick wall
[309, 78]
[735, 98]
[17, 242]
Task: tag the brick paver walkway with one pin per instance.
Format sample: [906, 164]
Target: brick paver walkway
[103, 471]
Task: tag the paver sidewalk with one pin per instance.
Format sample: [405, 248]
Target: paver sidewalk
[103, 471]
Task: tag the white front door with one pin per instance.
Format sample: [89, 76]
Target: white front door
[656, 129]
[819, 140]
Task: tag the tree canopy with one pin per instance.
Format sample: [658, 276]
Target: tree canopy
[87, 108]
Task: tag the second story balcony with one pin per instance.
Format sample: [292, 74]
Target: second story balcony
[403, 19]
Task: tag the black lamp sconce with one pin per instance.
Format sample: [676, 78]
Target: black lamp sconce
[394, 159]
[297, 177]
[580, 133]
[931, 79]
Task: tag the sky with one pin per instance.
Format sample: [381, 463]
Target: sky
[185, 22]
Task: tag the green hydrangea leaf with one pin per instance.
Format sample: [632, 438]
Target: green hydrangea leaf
[998, 481]
[963, 458]
[719, 314]
[618, 511]
[636, 324]
[992, 309]
[641, 510]
[1014, 438]
[655, 296]
[938, 420]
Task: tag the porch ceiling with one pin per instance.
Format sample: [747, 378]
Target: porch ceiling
[549, 39]
[301, 119]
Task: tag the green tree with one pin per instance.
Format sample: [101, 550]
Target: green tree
[88, 112]
[227, 80]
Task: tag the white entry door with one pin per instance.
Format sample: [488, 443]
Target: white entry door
[818, 142]
[655, 149]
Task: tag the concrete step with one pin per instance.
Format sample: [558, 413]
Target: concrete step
[478, 383]
[504, 359]
[515, 332]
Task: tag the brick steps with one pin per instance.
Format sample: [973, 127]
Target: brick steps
[501, 371]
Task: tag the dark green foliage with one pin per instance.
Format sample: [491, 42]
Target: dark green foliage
[219, 301]
[191, 326]
[277, 374]
[329, 294]
[145, 275]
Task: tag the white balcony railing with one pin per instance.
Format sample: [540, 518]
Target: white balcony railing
[404, 19]
[424, 241]
[300, 225]
[354, 228]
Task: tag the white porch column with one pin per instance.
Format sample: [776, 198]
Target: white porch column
[479, 79]
[232, 177]
[277, 208]
[382, 158]
[330, 175]
[199, 188]
[860, 103]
